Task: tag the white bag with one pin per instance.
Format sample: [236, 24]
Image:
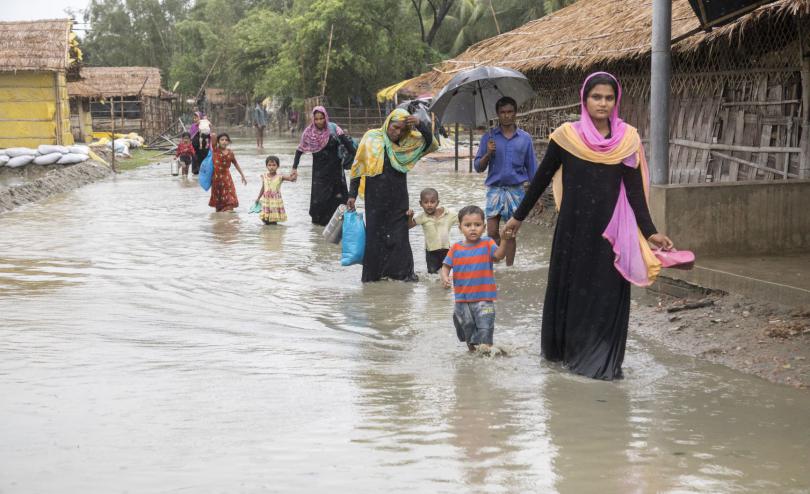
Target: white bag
[79, 149]
[205, 126]
[3, 159]
[14, 152]
[48, 159]
[19, 161]
[72, 159]
[50, 148]
[333, 232]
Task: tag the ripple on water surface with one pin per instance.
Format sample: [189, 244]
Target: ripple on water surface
[150, 345]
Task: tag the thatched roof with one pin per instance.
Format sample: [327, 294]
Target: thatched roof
[590, 33]
[35, 45]
[116, 81]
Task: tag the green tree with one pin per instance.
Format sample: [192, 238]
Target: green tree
[132, 32]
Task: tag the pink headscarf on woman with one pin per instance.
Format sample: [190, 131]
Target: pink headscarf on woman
[195, 126]
[314, 139]
[587, 130]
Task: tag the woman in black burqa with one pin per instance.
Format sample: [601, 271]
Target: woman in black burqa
[383, 160]
[600, 244]
[324, 139]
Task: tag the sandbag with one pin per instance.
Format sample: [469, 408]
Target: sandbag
[79, 149]
[72, 159]
[121, 146]
[48, 159]
[3, 152]
[354, 238]
[51, 148]
[207, 171]
[18, 161]
[14, 152]
[3, 159]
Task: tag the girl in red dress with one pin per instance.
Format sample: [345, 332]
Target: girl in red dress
[223, 192]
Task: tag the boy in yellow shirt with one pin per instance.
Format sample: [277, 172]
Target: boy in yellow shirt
[436, 224]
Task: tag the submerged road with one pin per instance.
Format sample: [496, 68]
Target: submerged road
[148, 344]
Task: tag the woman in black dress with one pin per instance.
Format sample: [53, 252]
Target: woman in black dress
[324, 140]
[200, 141]
[600, 178]
[383, 159]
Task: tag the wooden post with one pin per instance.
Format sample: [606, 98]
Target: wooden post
[456, 138]
[349, 99]
[80, 111]
[804, 139]
[58, 113]
[328, 52]
[112, 131]
[471, 147]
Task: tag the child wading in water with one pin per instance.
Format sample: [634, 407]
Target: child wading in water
[270, 195]
[436, 224]
[473, 279]
[185, 152]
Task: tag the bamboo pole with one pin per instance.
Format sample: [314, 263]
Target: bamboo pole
[456, 138]
[328, 52]
[471, 148]
[732, 147]
[58, 108]
[112, 131]
[494, 17]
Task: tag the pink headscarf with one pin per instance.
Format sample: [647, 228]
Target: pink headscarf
[195, 126]
[622, 232]
[587, 130]
[314, 139]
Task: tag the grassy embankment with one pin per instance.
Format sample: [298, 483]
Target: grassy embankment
[141, 157]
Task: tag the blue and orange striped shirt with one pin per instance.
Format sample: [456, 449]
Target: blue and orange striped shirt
[473, 279]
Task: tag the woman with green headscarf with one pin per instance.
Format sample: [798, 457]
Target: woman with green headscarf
[379, 174]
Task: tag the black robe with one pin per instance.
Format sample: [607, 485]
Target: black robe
[200, 144]
[328, 180]
[388, 248]
[587, 303]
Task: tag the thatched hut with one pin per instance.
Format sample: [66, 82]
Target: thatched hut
[132, 96]
[224, 108]
[740, 110]
[36, 59]
[740, 93]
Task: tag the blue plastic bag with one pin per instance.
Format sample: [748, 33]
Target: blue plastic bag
[207, 171]
[354, 238]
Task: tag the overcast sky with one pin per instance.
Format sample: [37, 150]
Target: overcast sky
[27, 10]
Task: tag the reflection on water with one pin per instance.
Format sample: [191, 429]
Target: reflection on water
[148, 344]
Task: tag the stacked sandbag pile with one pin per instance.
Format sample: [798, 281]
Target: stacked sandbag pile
[123, 143]
[45, 154]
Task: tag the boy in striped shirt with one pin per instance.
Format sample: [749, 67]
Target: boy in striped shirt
[473, 280]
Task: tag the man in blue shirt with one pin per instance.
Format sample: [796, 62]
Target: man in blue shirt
[507, 154]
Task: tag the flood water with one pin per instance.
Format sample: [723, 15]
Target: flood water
[148, 344]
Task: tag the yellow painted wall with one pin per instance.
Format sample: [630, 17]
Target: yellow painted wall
[64, 102]
[28, 104]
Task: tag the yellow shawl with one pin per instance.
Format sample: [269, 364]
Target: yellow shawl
[403, 155]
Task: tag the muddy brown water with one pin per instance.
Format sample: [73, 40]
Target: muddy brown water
[150, 345]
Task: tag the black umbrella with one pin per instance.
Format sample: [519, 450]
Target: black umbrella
[469, 98]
